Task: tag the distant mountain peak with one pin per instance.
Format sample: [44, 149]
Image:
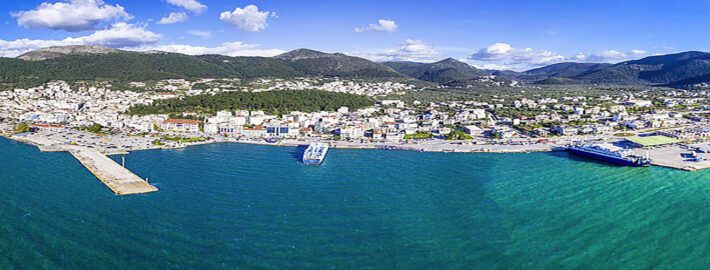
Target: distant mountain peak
[59, 51]
[452, 63]
[448, 71]
[335, 64]
[450, 60]
[300, 54]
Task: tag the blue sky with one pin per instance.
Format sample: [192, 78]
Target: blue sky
[493, 34]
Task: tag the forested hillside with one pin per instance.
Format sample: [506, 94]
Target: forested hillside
[274, 102]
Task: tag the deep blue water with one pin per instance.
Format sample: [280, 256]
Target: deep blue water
[231, 206]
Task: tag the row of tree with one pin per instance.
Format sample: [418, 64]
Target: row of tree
[273, 102]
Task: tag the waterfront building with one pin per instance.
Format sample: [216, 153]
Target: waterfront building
[254, 132]
[281, 131]
[181, 125]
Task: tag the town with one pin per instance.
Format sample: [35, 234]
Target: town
[94, 115]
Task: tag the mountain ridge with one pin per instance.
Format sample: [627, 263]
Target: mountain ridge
[449, 71]
[682, 69]
[60, 51]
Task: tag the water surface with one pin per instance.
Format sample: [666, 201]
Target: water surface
[227, 206]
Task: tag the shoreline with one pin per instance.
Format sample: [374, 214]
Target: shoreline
[424, 146]
[121, 145]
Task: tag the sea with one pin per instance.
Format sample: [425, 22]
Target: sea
[237, 206]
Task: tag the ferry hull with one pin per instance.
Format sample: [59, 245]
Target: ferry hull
[617, 161]
[312, 161]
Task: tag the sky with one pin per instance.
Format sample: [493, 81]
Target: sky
[515, 35]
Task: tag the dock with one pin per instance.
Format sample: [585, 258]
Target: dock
[117, 178]
[675, 157]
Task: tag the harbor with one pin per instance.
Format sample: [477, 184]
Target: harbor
[674, 155]
[116, 177]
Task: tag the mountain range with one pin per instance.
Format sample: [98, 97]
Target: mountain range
[92, 62]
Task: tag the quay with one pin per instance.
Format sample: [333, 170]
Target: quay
[117, 178]
[676, 158]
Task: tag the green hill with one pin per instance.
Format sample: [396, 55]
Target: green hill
[75, 64]
[447, 72]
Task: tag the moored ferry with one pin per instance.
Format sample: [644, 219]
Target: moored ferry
[315, 153]
[609, 153]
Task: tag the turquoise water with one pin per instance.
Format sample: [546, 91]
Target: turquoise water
[228, 206]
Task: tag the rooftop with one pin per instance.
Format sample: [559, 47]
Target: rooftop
[182, 121]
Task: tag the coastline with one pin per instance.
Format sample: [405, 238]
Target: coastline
[669, 157]
[46, 145]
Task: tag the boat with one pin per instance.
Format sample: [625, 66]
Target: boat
[609, 153]
[315, 153]
[387, 147]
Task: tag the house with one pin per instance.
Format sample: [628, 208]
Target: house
[564, 130]
[639, 103]
[45, 127]
[472, 130]
[181, 125]
[539, 132]
[502, 132]
[350, 132]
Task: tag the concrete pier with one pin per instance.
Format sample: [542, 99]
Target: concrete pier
[117, 178]
[676, 157]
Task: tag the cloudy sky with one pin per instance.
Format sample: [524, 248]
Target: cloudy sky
[502, 34]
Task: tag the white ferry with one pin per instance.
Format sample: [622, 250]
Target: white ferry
[315, 153]
[609, 154]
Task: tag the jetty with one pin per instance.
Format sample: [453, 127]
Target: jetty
[117, 178]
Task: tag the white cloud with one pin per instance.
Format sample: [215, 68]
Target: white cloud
[536, 58]
[382, 25]
[614, 56]
[580, 57]
[248, 18]
[638, 52]
[492, 66]
[494, 51]
[12, 48]
[119, 35]
[229, 48]
[75, 15]
[191, 5]
[411, 50]
[174, 17]
[503, 54]
[199, 33]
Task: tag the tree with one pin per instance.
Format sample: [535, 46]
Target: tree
[22, 128]
[275, 102]
[95, 128]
